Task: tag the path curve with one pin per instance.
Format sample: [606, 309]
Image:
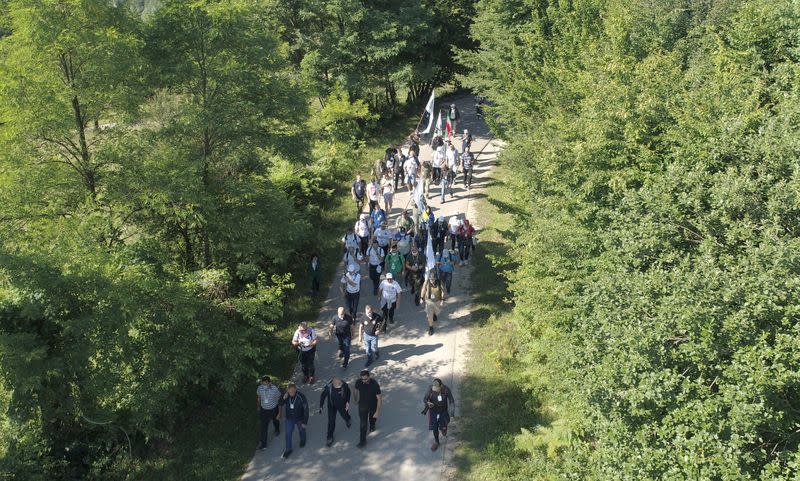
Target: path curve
[399, 449]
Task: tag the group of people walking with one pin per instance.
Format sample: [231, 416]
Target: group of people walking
[417, 254]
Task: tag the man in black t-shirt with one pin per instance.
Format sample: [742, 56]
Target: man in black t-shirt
[337, 393]
[368, 331]
[368, 396]
[342, 325]
[359, 191]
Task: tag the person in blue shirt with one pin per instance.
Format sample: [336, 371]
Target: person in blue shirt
[378, 216]
[445, 261]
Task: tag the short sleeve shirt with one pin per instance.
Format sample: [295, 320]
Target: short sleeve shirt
[268, 395]
[372, 325]
[368, 393]
[389, 291]
[342, 325]
[356, 278]
[305, 340]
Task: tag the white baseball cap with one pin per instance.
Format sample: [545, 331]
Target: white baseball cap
[389, 276]
[351, 268]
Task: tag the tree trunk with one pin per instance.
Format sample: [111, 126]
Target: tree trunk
[89, 176]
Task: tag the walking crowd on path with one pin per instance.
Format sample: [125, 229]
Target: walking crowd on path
[416, 253]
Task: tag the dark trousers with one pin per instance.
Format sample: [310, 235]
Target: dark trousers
[453, 240]
[438, 244]
[464, 246]
[437, 175]
[467, 176]
[398, 176]
[332, 411]
[362, 242]
[314, 286]
[388, 311]
[307, 361]
[376, 278]
[359, 206]
[344, 346]
[352, 302]
[365, 415]
[268, 415]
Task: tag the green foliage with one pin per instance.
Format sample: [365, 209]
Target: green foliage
[653, 149]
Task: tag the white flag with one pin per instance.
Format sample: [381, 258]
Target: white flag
[431, 261]
[427, 117]
[438, 130]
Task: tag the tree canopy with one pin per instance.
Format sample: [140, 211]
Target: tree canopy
[653, 146]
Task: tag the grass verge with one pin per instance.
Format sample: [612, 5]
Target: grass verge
[494, 405]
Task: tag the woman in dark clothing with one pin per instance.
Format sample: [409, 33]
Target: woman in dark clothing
[440, 407]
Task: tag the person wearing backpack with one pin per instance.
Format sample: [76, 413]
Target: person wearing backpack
[375, 256]
[434, 292]
[362, 230]
[359, 192]
[337, 395]
[350, 287]
[295, 413]
[415, 270]
[445, 263]
[440, 407]
[350, 240]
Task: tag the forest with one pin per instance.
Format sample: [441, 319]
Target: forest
[162, 175]
[653, 156]
[164, 167]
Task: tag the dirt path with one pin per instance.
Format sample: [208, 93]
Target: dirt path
[400, 447]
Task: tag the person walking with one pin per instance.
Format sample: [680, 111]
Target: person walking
[466, 141]
[295, 412]
[358, 190]
[351, 288]
[387, 187]
[465, 245]
[445, 263]
[350, 239]
[368, 331]
[467, 163]
[438, 234]
[439, 159]
[337, 395]
[410, 169]
[454, 116]
[368, 397]
[399, 169]
[390, 296]
[373, 194]
[415, 269]
[378, 217]
[453, 227]
[440, 408]
[405, 221]
[342, 325]
[362, 230]
[314, 274]
[269, 397]
[395, 263]
[434, 292]
[375, 256]
[305, 341]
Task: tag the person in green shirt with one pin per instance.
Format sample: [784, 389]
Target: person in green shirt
[395, 263]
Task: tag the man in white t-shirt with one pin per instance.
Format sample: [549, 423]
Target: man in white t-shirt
[438, 160]
[351, 288]
[390, 296]
[410, 167]
[383, 235]
[373, 194]
[453, 226]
